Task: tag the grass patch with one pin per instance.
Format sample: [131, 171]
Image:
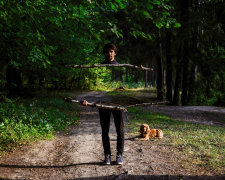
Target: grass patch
[201, 145]
[23, 121]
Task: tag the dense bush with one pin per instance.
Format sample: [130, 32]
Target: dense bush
[33, 119]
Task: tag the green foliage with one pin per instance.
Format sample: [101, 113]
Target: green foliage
[202, 145]
[21, 122]
[38, 38]
[49, 34]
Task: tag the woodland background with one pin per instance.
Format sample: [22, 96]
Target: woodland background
[182, 40]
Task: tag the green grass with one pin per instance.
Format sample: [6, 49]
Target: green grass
[23, 121]
[111, 85]
[201, 145]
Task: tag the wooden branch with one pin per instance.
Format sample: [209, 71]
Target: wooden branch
[111, 65]
[148, 104]
[120, 108]
[103, 106]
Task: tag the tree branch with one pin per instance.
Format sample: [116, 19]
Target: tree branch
[111, 65]
[148, 104]
[120, 108]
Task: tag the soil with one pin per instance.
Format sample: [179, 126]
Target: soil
[78, 153]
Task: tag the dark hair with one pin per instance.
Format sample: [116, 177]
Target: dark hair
[109, 46]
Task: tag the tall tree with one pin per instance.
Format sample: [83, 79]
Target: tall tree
[160, 70]
[169, 72]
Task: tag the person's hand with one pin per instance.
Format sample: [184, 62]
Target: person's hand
[84, 103]
[143, 68]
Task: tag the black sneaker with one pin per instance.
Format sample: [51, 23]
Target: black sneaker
[107, 159]
[119, 159]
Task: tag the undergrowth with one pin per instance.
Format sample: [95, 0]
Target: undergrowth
[23, 121]
[200, 144]
[111, 85]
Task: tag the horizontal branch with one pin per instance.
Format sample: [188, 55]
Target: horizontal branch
[103, 106]
[111, 65]
[120, 108]
[148, 104]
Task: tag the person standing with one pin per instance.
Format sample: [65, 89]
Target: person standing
[110, 51]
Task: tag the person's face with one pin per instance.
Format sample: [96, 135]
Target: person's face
[110, 54]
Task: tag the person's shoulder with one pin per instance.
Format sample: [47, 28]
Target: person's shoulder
[110, 62]
[114, 62]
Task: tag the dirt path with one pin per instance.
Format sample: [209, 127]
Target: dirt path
[79, 154]
[207, 115]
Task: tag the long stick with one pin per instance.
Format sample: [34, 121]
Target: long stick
[111, 65]
[147, 104]
[121, 108]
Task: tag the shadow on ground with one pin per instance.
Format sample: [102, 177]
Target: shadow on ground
[124, 176]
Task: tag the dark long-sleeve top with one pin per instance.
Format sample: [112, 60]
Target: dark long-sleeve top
[109, 62]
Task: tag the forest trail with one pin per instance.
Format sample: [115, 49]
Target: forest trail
[78, 154]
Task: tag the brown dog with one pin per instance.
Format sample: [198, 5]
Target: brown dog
[146, 133]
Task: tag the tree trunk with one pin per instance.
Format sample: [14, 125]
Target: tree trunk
[195, 46]
[176, 96]
[116, 73]
[13, 81]
[160, 72]
[184, 19]
[136, 76]
[113, 75]
[146, 79]
[127, 74]
[150, 79]
[121, 76]
[185, 75]
[168, 67]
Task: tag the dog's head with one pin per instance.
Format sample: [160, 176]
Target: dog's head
[144, 128]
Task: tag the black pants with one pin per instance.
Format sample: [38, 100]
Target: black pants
[105, 124]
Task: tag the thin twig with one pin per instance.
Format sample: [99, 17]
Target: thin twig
[148, 104]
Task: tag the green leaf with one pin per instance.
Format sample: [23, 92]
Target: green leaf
[159, 25]
[166, 13]
[121, 4]
[15, 64]
[149, 6]
[146, 14]
[113, 6]
[156, 2]
[177, 25]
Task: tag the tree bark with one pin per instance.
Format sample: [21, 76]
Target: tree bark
[176, 96]
[136, 77]
[160, 72]
[146, 79]
[185, 18]
[127, 74]
[113, 75]
[13, 81]
[195, 45]
[168, 67]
